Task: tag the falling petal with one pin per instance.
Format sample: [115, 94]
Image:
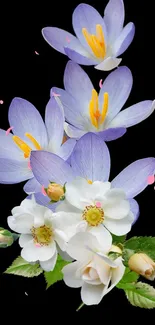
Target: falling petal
[9, 130]
[54, 94]
[29, 165]
[1, 102]
[36, 53]
[43, 190]
[151, 179]
[101, 83]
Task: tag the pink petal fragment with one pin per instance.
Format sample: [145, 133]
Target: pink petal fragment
[43, 191]
[67, 39]
[36, 53]
[98, 204]
[9, 130]
[151, 179]
[29, 165]
[1, 102]
[56, 95]
[37, 245]
[101, 83]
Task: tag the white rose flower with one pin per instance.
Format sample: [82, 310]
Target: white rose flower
[90, 206]
[39, 233]
[94, 271]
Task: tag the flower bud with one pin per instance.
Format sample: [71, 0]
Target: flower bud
[55, 192]
[143, 265]
[115, 249]
[6, 238]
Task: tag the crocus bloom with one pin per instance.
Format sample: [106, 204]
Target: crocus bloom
[99, 40]
[93, 269]
[30, 133]
[142, 264]
[87, 111]
[39, 231]
[90, 160]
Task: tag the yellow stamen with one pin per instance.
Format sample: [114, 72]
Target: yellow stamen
[89, 181]
[93, 215]
[104, 107]
[96, 117]
[33, 140]
[96, 42]
[22, 145]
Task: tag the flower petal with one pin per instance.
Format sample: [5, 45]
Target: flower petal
[117, 274]
[66, 149]
[114, 19]
[124, 39]
[112, 134]
[119, 227]
[48, 167]
[22, 223]
[117, 211]
[108, 64]
[133, 179]
[8, 149]
[32, 186]
[103, 236]
[78, 193]
[91, 159]
[133, 114]
[60, 238]
[91, 294]
[26, 119]
[118, 85]
[24, 239]
[70, 278]
[85, 16]
[49, 264]
[73, 132]
[79, 57]
[134, 208]
[14, 171]
[54, 117]
[32, 253]
[43, 200]
[59, 39]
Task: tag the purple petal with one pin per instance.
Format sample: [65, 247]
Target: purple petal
[91, 159]
[112, 134]
[48, 167]
[78, 84]
[43, 200]
[124, 40]
[108, 64]
[114, 19]
[79, 57]
[13, 171]
[32, 186]
[54, 120]
[134, 207]
[133, 114]
[71, 108]
[59, 39]
[25, 118]
[118, 85]
[8, 148]
[133, 179]
[66, 149]
[85, 16]
[73, 132]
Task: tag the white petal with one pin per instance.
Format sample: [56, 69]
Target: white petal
[108, 64]
[70, 277]
[117, 274]
[103, 270]
[24, 239]
[103, 236]
[60, 238]
[64, 255]
[119, 227]
[49, 264]
[21, 223]
[118, 210]
[77, 193]
[91, 294]
[32, 253]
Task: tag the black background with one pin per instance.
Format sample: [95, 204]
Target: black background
[30, 76]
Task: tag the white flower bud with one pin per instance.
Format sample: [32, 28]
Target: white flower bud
[143, 265]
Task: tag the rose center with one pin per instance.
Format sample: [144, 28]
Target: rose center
[93, 215]
[42, 235]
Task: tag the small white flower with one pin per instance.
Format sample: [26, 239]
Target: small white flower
[89, 207]
[94, 271]
[39, 233]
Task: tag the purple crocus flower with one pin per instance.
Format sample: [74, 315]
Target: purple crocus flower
[90, 160]
[30, 133]
[99, 41]
[87, 111]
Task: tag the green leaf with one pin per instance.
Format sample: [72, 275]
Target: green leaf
[23, 268]
[55, 275]
[118, 239]
[128, 278]
[142, 244]
[141, 295]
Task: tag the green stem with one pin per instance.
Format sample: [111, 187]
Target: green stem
[82, 304]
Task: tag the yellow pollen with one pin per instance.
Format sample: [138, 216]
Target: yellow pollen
[42, 235]
[24, 146]
[97, 118]
[89, 181]
[96, 42]
[93, 215]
